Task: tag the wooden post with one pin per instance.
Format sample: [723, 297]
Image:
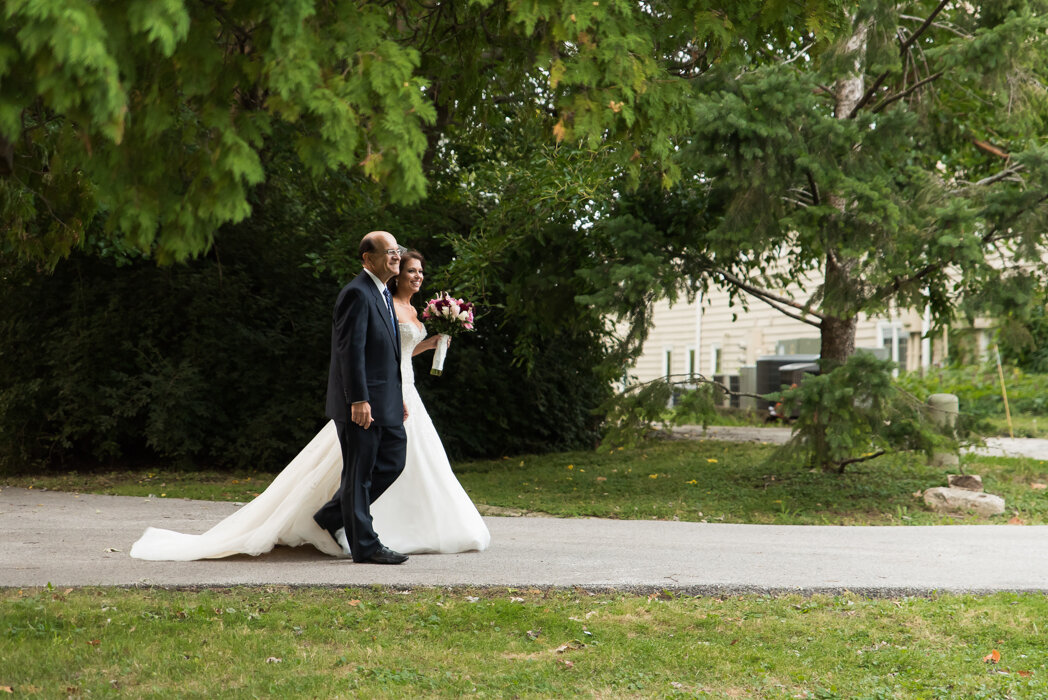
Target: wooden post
[1004, 391]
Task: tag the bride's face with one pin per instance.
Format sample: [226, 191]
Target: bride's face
[411, 276]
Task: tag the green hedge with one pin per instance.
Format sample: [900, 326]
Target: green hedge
[224, 361]
[978, 389]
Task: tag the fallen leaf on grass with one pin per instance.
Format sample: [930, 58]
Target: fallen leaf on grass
[1038, 485]
[993, 657]
[6, 689]
[573, 644]
[1025, 674]
[566, 663]
[354, 603]
[1016, 520]
[95, 642]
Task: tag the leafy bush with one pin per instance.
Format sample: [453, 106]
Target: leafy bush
[854, 413]
[978, 389]
[631, 415]
[222, 359]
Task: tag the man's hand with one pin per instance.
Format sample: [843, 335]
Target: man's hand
[405, 411]
[360, 413]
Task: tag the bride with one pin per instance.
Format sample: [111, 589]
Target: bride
[425, 510]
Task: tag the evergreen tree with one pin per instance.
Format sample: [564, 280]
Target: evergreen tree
[903, 161]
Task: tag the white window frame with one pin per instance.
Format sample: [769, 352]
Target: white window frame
[890, 331]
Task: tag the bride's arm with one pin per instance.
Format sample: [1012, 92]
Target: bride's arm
[429, 343]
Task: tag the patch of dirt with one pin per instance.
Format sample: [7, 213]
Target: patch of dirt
[485, 509]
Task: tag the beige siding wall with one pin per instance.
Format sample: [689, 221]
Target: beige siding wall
[713, 329]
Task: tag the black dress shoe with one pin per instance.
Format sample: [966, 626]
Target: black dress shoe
[385, 555]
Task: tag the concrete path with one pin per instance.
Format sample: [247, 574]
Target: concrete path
[1035, 448]
[79, 540]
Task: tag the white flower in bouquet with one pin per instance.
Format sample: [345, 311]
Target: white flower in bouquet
[447, 316]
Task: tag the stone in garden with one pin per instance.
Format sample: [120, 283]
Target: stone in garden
[943, 410]
[943, 499]
[971, 482]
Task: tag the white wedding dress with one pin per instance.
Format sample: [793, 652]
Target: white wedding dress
[425, 510]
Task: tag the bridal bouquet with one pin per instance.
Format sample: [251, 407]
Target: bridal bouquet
[447, 316]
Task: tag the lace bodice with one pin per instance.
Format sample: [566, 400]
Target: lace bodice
[410, 336]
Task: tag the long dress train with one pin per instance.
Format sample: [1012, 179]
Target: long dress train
[425, 510]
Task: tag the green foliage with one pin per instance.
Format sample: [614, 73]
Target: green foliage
[904, 200]
[854, 413]
[221, 360]
[978, 389]
[155, 114]
[631, 414]
[1022, 324]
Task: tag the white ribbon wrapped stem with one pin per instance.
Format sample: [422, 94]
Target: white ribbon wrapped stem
[440, 353]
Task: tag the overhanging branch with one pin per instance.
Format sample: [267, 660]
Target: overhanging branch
[777, 302]
[903, 48]
[898, 96]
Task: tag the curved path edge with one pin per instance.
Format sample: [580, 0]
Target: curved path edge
[82, 540]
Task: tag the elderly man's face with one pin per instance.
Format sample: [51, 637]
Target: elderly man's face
[385, 259]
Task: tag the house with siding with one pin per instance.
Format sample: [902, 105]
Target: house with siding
[712, 337]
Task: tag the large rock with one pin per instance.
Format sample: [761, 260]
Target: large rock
[942, 499]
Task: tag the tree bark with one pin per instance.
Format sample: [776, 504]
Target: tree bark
[837, 340]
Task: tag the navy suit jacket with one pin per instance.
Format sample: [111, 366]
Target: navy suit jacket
[365, 355]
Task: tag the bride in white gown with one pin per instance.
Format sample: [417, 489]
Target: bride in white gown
[425, 510]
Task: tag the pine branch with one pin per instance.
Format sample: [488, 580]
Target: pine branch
[903, 49]
[865, 458]
[773, 300]
[1004, 174]
[868, 94]
[991, 149]
[898, 96]
[814, 187]
[924, 27]
[939, 25]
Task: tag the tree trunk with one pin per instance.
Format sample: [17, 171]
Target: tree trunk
[837, 341]
[838, 332]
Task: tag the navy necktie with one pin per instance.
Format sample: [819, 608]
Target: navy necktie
[392, 313]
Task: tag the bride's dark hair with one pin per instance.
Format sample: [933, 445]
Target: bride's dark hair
[410, 255]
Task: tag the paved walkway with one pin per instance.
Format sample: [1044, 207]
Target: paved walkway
[1036, 448]
[77, 540]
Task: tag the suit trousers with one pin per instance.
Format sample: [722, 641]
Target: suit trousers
[372, 460]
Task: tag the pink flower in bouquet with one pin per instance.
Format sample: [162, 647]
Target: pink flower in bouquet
[448, 315]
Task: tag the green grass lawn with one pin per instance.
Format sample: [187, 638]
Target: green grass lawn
[692, 480]
[325, 643]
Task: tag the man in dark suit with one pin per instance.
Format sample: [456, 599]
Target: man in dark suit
[365, 400]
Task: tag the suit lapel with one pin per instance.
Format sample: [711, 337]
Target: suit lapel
[380, 304]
